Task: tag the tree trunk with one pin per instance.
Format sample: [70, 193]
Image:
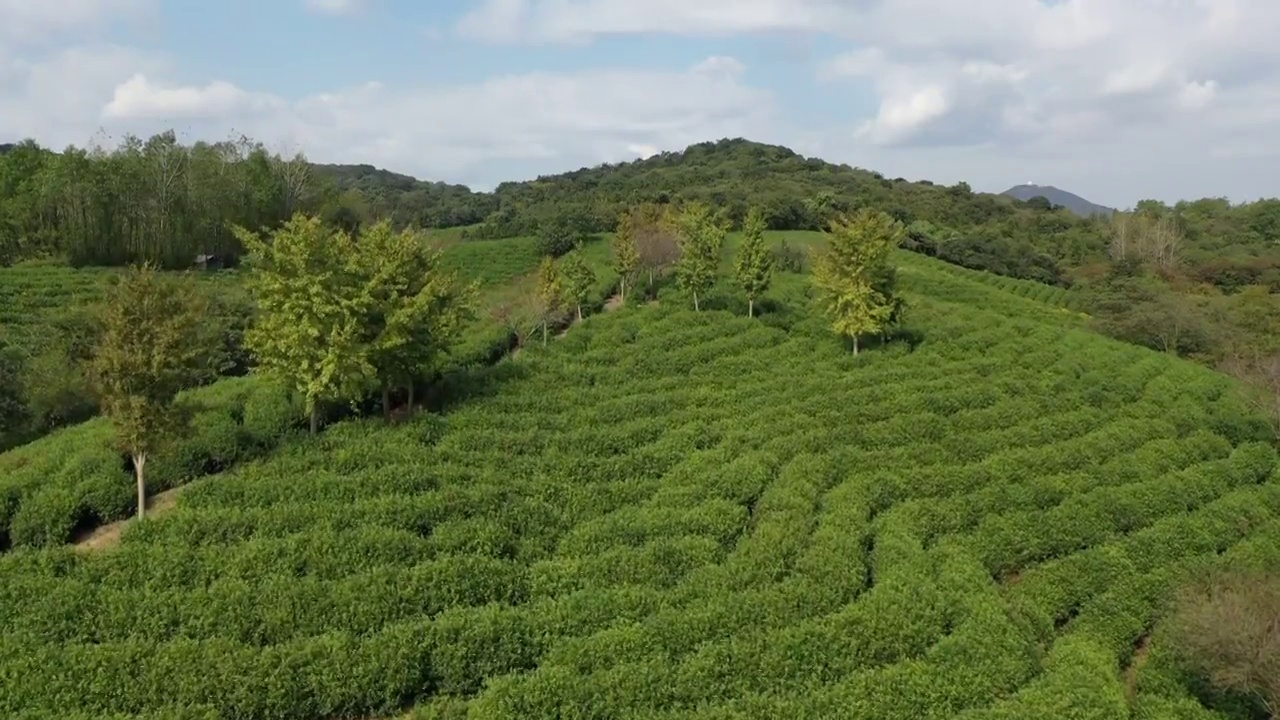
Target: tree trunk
[622, 289]
[855, 344]
[696, 308]
[386, 402]
[651, 278]
[315, 419]
[139, 461]
[544, 332]
[411, 398]
[579, 313]
[751, 307]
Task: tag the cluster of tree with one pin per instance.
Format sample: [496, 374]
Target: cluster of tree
[162, 202]
[335, 318]
[368, 193]
[338, 315]
[154, 201]
[1151, 293]
[791, 192]
[853, 275]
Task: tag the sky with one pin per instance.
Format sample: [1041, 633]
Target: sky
[1115, 100]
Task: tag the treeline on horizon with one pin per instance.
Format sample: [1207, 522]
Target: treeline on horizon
[165, 202]
[1206, 268]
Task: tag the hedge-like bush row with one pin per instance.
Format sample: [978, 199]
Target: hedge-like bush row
[672, 514]
[76, 478]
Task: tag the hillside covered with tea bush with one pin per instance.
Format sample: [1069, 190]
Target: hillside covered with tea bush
[676, 514]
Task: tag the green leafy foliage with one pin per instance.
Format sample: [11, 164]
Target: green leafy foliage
[754, 266]
[558, 235]
[415, 309]
[681, 514]
[626, 249]
[854, 277]
[578, 280]
[701, 235]
[309, 328]
[550, 293]
[152, 345]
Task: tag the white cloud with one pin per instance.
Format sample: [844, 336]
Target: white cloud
[577, 20]
[502, 128]
[139, 98]
[336, 7]
[1118, 99]
[1145, 83]
[905, 113]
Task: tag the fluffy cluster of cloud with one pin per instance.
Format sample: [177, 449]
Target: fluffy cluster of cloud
[1120, 99]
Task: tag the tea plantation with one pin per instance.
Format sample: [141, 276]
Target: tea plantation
[668, 514]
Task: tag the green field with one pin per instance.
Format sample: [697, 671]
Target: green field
[669, 514]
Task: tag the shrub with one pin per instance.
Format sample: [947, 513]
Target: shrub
[1227, 630]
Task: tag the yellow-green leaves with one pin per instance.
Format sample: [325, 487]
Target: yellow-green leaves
[311, 309]
[853, 277]
[413, 308]
[754, 266]
[550, 293]
[701, 236]
[153, 343]
[337, 316]
[578, 279]
[626, 251]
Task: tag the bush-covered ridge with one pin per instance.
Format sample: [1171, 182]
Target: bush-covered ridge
[688, 515]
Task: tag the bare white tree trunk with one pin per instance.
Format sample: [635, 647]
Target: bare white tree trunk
[139, 462]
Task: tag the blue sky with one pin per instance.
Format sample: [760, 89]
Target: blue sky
[1117, 100]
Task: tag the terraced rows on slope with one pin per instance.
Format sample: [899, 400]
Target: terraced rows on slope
[677, 515]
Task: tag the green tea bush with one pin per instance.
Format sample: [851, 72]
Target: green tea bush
[75, 477]
[666, 514]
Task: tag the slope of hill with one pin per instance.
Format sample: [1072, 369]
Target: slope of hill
[672, 514]
[1059, 198]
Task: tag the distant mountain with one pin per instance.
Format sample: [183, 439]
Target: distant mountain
[1070, 201]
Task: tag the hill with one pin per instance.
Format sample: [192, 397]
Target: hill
[1059, 198]
[673, 514]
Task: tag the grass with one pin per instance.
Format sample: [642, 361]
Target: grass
[669, 514]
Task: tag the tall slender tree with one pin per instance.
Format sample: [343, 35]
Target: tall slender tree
[154, 342]
[626, 254]
[754, 266]
[578, 279]
[701, 237]
[852, 276]
[550, 293]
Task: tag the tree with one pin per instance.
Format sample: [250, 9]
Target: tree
[701, 237]
[306, 282]
[578, 279]
[850, 274]
[755, 263]
[1227, 629]
[154, 342]
[414, 309]
[626, 253]
[656, 242]
[559, 234]
[550, 293]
